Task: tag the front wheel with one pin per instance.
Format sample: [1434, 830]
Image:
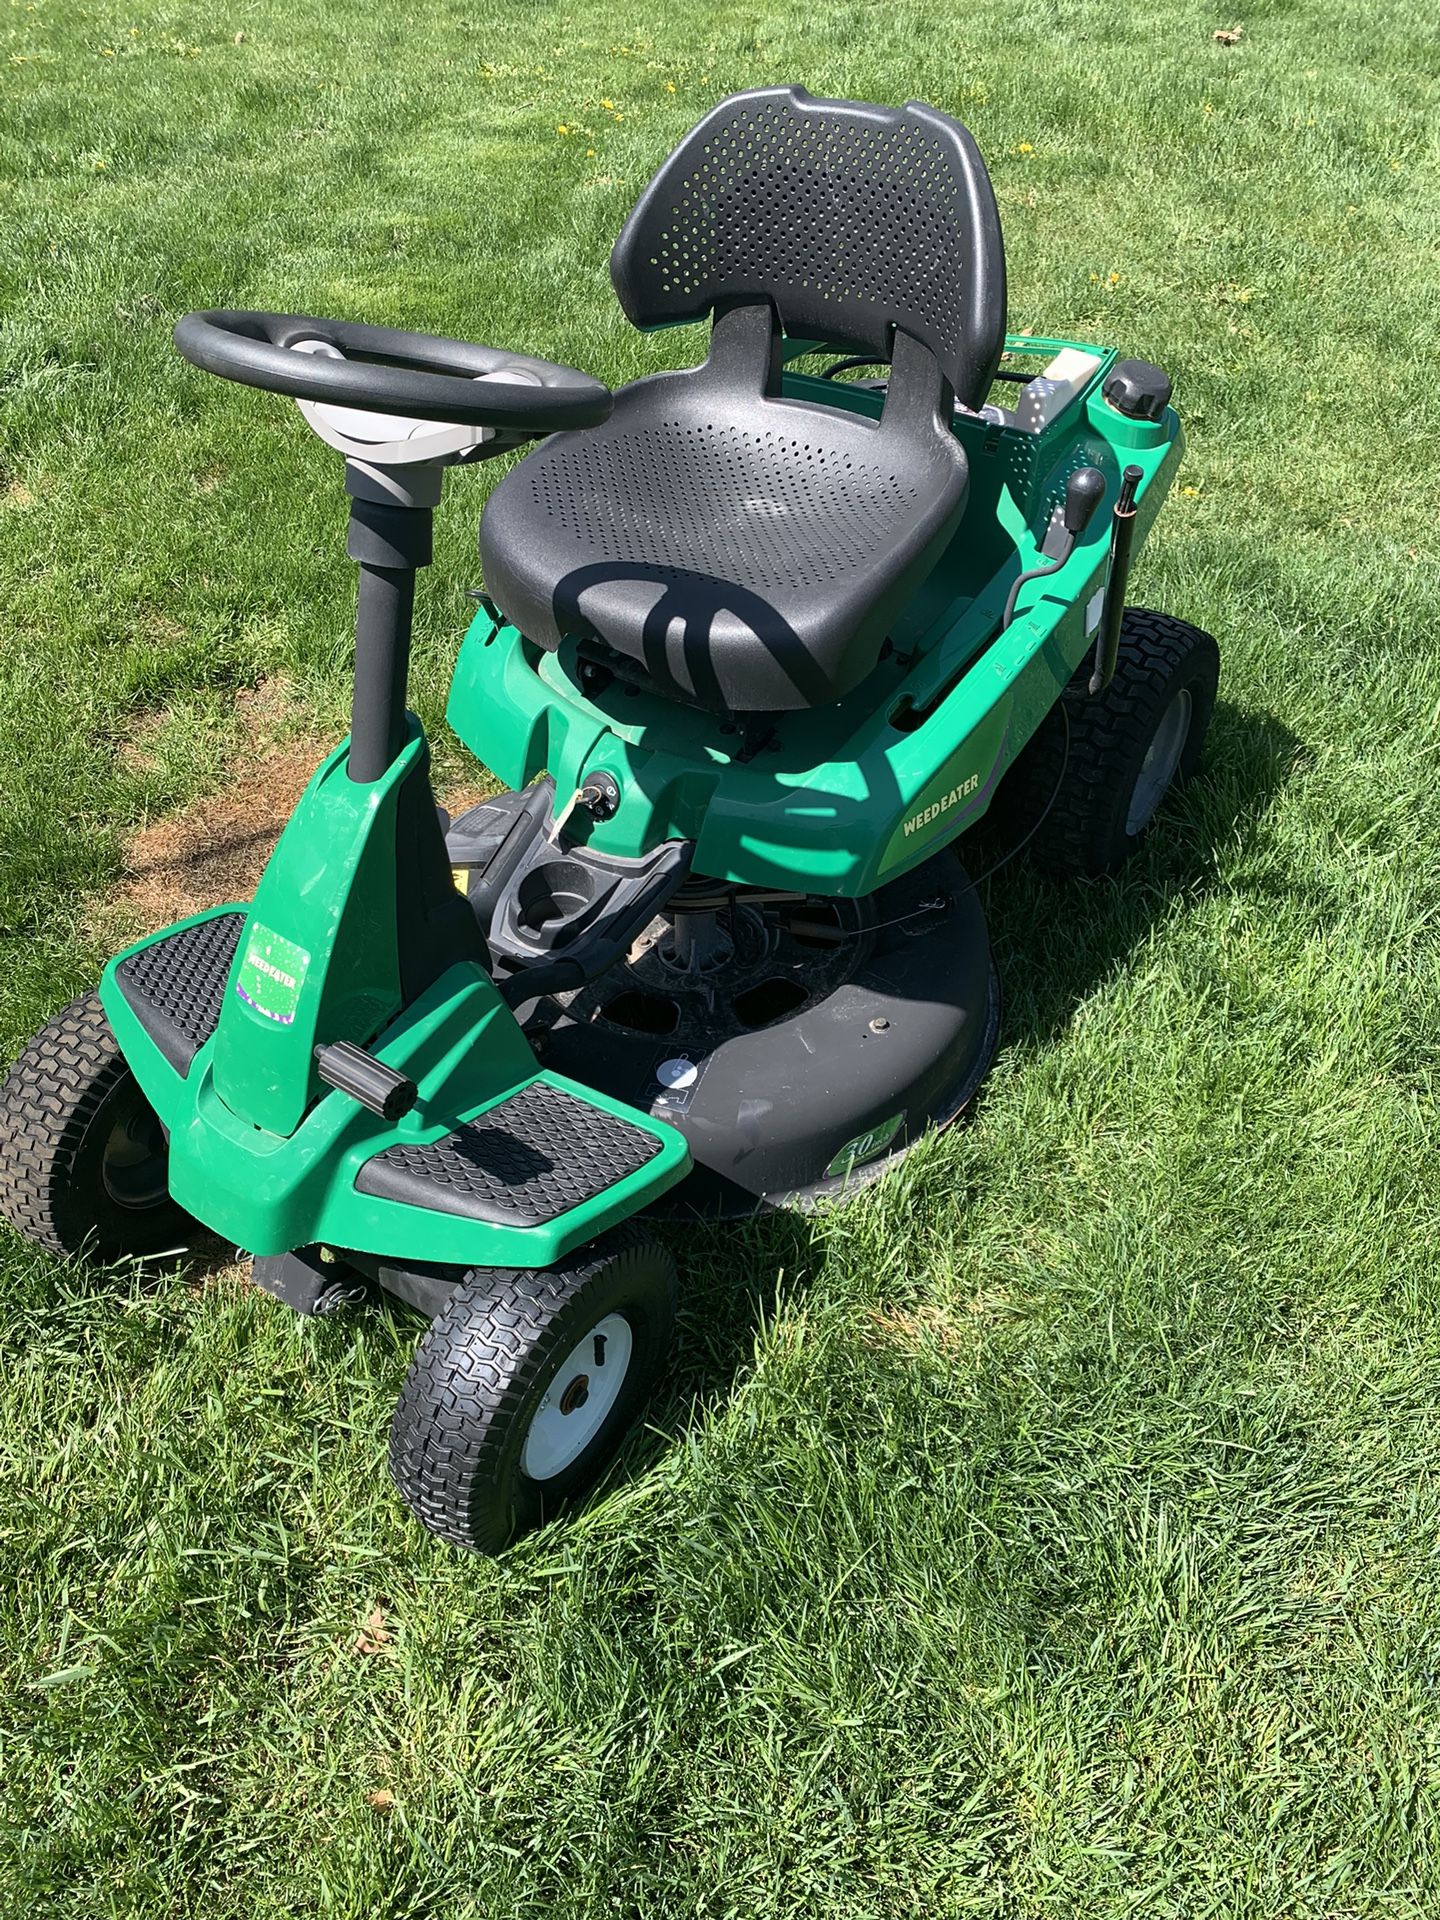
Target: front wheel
[526, 1384]
[1089, 783]
[84, 1161]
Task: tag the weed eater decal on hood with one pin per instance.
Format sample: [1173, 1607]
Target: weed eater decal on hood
[942, 805]
[952, 799]
[272, 972]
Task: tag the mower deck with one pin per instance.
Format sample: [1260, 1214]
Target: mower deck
[794, 1040]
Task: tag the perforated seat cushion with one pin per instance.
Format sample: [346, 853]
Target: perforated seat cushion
[778, 511]
[748, 552]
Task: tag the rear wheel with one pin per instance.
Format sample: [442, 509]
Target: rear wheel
[84, 1161]
[525, 1386]
[1089, 794]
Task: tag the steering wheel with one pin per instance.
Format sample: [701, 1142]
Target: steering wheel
[415, 375]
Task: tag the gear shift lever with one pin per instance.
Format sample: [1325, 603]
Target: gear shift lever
[1084, 491]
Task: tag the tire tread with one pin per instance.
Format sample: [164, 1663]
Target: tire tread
[49, 1097]
[472, 1376]
[1083, 831]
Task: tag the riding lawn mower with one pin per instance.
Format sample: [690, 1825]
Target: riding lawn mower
[759, 642]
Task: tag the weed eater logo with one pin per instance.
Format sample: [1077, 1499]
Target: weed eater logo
[865, 1146]
[271, 974]
[918, 821]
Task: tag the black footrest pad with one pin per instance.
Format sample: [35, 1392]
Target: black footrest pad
[176, 986]
[530, 1159]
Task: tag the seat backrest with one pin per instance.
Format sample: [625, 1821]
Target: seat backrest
[850, 220]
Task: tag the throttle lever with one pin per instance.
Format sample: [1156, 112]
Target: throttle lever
[1084, 490]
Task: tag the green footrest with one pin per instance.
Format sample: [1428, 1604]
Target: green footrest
[537, 1155]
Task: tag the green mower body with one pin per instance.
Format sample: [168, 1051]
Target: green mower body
[842, 801]
[845, 797]
[261, 1150]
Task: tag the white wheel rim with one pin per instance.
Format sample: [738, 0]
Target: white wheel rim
[579, 1398]
[1157, 769]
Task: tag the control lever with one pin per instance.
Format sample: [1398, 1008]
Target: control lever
[1084, 491]
[1122, 534]
[377, 1088]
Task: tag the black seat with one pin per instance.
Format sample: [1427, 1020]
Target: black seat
[751, 551]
